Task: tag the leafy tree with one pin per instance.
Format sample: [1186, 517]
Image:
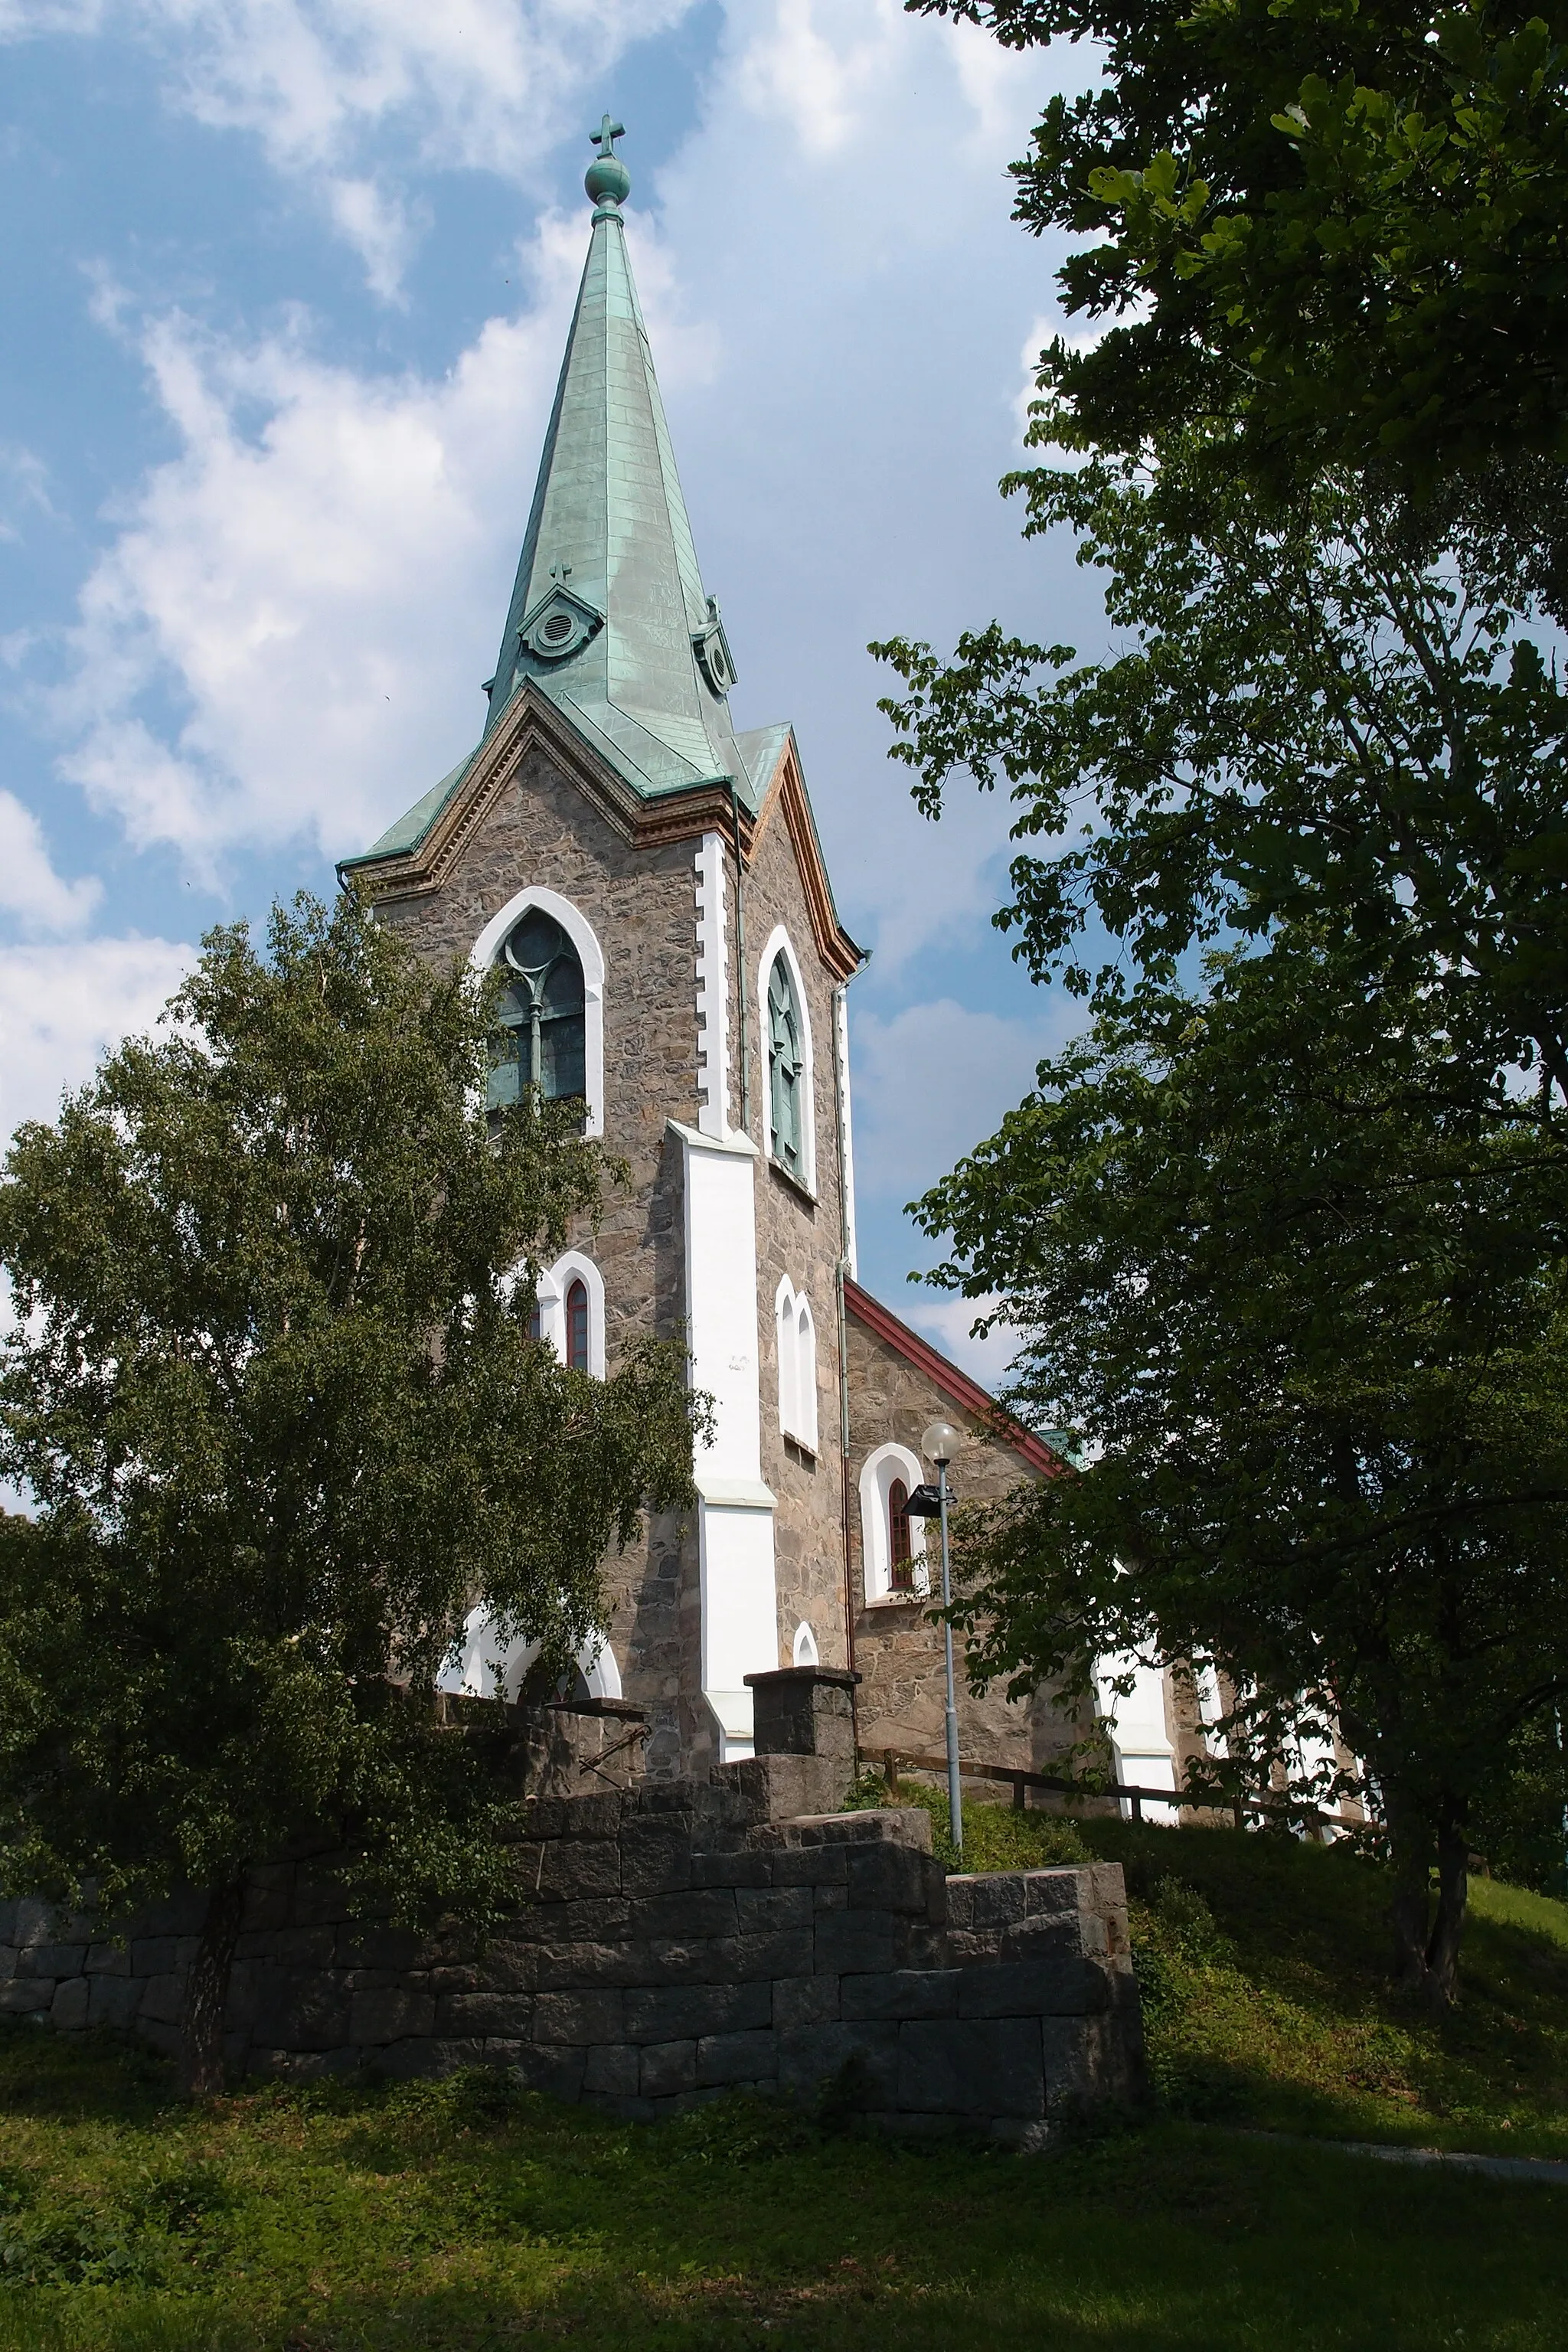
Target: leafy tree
[1323, 710]
[272, 1386]
[1300, 1277]
[1342, 227]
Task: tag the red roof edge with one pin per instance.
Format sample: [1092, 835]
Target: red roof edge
[948, 1377]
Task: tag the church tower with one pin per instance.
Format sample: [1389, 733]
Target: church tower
[652, 884]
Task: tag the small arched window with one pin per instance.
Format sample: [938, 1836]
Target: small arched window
[786, 1065]
[577, 1324]
[540, 1036]
[900, 1559]
[796, 1332]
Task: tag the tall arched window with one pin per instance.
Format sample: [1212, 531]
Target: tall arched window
[577, 1324]
[786, 1065]
[900, 1562]
[541, 1039]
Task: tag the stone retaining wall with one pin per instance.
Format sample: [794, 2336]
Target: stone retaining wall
[672, 1939]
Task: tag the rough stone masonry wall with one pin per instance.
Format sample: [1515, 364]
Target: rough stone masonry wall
[672, 1940]
[898, 1641]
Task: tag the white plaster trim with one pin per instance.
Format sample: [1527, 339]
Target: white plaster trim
[845, 1130]
[780, 943]
[1138, 1726]
[553, 1288]
[735, 1494]
[805, 1651]
[695, 1141]
[712, 989]
[735, 1521]
[878, 1473]
[487, 947]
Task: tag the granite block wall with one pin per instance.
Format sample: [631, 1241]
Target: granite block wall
[672, 1939]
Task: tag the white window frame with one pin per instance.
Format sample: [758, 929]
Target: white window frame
[794, 1339]
[553, 1285]
[878, 1472]
[590, 955]
[805, 1650]
[780, 943]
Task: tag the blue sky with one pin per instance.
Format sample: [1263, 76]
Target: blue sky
[284, 285]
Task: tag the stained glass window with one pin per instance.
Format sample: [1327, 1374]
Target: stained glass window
[540, 1041]
[901, 1564]
[577, 1325]
[786, 1063]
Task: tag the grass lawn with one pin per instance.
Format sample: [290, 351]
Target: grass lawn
[462, 2215]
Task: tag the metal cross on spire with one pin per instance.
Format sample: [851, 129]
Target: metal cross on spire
[605, 136]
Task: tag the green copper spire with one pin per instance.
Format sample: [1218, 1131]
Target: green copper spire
[609, 617]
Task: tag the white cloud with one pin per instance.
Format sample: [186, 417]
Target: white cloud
[24, 487]
[931, 1083]
[352, 97]
[30, 889]
[317, 595]
[61, 1007]
[946, 1321]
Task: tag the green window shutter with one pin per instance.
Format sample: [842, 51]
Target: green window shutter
[785, 1068]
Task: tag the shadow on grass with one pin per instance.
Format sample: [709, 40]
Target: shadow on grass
[44, 2073]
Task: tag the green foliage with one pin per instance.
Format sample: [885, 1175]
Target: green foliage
[994, 1837]
[273, 1389]
[1325, 714]
[1298, 1276]
[1267, 2002]
[1339, 227]
[1288, 1252]
[1521, 1825]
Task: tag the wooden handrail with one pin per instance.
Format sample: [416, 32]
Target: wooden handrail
[890, 1758]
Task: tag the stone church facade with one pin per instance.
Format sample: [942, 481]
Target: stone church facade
[652, 883]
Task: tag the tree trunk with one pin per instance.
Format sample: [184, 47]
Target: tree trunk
[1452, 1896]
[206, 1992]
[1407, 1915]
[1427, 1948]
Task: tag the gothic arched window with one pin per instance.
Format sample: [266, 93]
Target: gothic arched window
[900, 1562]
[786, 1065]
[541, 1032]
[577, 1324]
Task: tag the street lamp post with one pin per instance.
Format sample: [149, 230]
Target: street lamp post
[938, 1444]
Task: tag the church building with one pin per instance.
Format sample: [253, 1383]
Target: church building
[652, 885]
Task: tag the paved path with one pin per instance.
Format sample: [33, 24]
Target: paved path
[1499, 2167]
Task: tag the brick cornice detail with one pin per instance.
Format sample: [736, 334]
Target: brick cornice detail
[953, 1384]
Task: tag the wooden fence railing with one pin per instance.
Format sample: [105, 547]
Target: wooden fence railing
[892, 1759]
